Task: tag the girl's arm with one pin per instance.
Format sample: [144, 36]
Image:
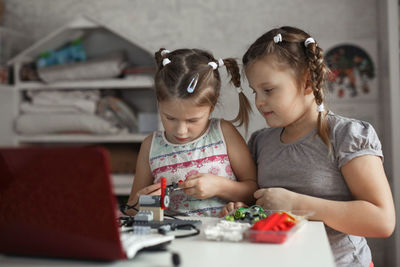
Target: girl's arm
[242, 165]
[143, 181]
[371, 214]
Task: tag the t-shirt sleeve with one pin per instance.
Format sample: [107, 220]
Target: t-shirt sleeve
[356, 138]
[252, 144]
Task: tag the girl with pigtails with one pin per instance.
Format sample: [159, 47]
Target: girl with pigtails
[310, 158]
[207, 156]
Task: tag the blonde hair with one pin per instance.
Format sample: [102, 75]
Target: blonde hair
[291, 51]
[172, 79]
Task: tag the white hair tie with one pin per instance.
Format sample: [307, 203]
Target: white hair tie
[165, 52]
[308, 41]
[278, 38]
[166, 61]
[239, 90]
[213, 65]
[321, 108]
[220, 62]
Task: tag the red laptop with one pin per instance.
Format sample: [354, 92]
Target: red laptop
[59, 202]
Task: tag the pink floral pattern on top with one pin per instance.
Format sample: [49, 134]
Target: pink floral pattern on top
[191, 172]
[207, 154]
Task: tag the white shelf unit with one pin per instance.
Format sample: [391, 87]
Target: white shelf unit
[81, 138]
[122, 183]
[138, 81]
[101, 40]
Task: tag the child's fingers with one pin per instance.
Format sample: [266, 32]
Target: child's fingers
[188, 183]
[194, 176]
[239, 205]
[260, 202]
[157, 192]
[148, 190]
[227, 209]
[224, 212]
[231, 206]
[258, 193]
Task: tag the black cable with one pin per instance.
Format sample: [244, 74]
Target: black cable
[126, 207]
[170, 216]
[126, 221]
[197, 231]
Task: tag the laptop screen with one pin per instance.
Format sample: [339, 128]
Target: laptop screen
[58, 202]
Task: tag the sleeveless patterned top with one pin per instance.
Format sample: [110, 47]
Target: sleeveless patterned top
[206, 154]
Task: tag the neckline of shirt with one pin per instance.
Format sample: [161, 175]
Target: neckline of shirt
[279, 133]
[191, 142]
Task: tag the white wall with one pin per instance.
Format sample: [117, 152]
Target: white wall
[388, 18]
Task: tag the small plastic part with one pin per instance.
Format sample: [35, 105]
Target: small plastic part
[144, 216]
[226, 231]
[163, 189]
[164, 229]
[149, 201]
[141, 230]
[165, 202]
[247, 214]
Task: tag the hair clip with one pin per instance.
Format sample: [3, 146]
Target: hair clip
[321, 107]
[192, 84]
[308, 41]
[220, 62]
[166, 61]
[165, 52]
[278, 38]
[213, 65]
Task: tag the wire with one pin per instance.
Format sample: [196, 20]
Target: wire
[126, 207]
[197, 231]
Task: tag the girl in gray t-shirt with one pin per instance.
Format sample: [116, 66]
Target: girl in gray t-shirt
[311, 159]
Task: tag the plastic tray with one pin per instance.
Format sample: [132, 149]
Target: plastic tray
[278, 237]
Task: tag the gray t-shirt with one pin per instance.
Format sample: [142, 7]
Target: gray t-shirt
[306, 168]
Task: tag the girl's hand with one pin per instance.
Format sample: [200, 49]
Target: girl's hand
[230, 207]
[275, 198]
[154, 189]
[200, 185]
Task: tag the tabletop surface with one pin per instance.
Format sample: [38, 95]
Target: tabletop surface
[307, 247]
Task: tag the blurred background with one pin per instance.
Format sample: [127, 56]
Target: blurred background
[363, 32]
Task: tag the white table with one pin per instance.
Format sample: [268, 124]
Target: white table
[309, 247]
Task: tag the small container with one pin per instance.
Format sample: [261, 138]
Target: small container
[279, 236]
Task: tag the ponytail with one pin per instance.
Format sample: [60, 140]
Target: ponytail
[242, 118]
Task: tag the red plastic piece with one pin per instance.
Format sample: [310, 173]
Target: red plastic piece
[272, 228]
[163, 187]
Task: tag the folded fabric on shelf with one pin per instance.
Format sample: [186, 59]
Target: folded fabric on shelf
[27, 107]
[118, 113]
[63, 123]
[85, 101]
[108, 66]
